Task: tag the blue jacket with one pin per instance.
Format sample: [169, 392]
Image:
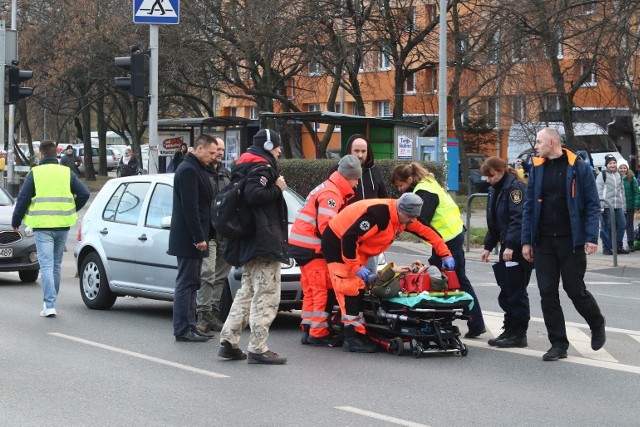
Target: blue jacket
[582, 198]
[504, 213]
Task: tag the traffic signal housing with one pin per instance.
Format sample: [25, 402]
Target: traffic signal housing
[136, 83]
[17, 76]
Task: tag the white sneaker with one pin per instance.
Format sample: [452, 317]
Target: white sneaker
[48, 312]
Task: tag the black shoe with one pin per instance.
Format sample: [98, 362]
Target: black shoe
[191, 337]
[266, 358]
[511, 341]
[207, 335]
[623, 251]
[327, 341]
[607, 252]
[305, 335]
[494, 341]
[554, 353]
[359, 344]
[474, 334]
[228, 351]
[598, 337]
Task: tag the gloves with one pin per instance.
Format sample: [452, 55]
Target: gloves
[364, 274]
[449, 263]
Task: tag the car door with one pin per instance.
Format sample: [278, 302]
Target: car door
[156, 269]
[119, 231]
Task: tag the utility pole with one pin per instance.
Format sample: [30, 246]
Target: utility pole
[442, 87]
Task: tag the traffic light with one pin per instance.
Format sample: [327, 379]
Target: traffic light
[136, 84]
[16, 76]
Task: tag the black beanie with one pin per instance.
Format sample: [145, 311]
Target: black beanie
[261, 137]
[609, 158]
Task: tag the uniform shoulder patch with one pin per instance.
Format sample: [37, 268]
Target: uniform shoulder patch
[332, 203]
[516, 196]
[365, 226]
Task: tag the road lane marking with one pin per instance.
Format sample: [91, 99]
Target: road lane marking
[571, 359]
[381, 417]
[635, 337]
[581, 342]
[140, 356]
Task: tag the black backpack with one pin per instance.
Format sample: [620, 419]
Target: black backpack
[230, 216]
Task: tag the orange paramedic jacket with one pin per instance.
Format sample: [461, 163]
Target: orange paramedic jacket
[367, 228]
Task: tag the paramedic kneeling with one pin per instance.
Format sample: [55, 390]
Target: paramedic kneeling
[362, 230]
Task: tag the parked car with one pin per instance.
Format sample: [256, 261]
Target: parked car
[123, 240]
[477, 182]
[17, 249]
[78, 150]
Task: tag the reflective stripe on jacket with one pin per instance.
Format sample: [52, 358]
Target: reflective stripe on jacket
[322, 204]
[446, 218]
[53, 205]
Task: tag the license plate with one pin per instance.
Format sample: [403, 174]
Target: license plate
[6, 252]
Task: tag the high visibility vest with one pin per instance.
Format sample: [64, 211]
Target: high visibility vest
[446, 219]
[322, 204]
[53, 206]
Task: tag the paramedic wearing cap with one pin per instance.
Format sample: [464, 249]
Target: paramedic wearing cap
[322, 204]
[360, 231]
[256, 302]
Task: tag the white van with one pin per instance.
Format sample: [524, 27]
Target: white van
[590, 137]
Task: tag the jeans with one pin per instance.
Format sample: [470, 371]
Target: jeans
[605, 228]
[50, 246]
[630, 229]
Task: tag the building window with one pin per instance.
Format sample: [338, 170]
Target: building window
[491, 108]
[518, 109]
[410, 84]
[385, 57]
[493, 48]
[254, 113]
[337, 108]
[409, 14]
[587, 8]
[384, 108]
[588, 69]
[431, 80]
[552, 102]
[314, 68]
[520, 52]
[315, 107]
[233, 111]
[431, 12]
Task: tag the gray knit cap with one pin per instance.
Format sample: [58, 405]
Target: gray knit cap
[349, 167]
[410, 204]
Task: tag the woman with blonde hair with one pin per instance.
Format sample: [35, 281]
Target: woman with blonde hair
[440, 212]
[512, 271]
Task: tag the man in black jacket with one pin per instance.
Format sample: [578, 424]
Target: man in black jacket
[214, 268]
[190, 228]
[257, 301]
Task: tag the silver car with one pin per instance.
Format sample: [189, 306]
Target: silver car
[17, 248]
[123, 241]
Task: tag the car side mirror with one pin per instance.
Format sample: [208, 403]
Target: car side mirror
[165, 222]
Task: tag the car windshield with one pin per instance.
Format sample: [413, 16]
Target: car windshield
[5, 198]
[593, 144]
[294, 203]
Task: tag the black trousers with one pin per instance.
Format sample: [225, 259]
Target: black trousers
[556, 257]
[184, 300]
[513, 282]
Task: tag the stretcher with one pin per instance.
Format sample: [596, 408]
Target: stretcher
[419, 323]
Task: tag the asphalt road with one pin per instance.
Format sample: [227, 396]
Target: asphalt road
[123, 367]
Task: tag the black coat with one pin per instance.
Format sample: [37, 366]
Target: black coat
[191, 215]
[266, 203]
[504, 213]
[372, 185]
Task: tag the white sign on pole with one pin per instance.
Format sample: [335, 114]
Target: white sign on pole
[405, 147]
[156, 11]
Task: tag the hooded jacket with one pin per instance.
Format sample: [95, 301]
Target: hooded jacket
[264, 200]
[372, 184]
[611, 189]
[582, 201]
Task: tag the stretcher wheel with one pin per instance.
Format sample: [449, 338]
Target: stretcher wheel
[464, 351]
[417, 350]
[396, 346]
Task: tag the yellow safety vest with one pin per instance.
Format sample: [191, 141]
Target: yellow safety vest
[53, 206]
[446, 219]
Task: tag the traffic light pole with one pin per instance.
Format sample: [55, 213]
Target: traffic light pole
[154, 31]
[12, 185]
[2, 64]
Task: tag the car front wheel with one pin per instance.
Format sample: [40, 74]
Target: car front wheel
[94, 286]
[28, 275]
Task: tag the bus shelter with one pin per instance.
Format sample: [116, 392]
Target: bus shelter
[172, 133]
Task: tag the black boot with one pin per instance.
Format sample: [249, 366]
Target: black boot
[304, 340]
[506, 331]
[356, 342]
[518, 337]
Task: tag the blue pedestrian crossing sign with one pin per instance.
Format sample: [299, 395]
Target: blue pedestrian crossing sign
[156, 11]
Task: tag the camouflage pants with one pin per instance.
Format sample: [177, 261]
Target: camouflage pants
[214, 271]
[255, 304]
